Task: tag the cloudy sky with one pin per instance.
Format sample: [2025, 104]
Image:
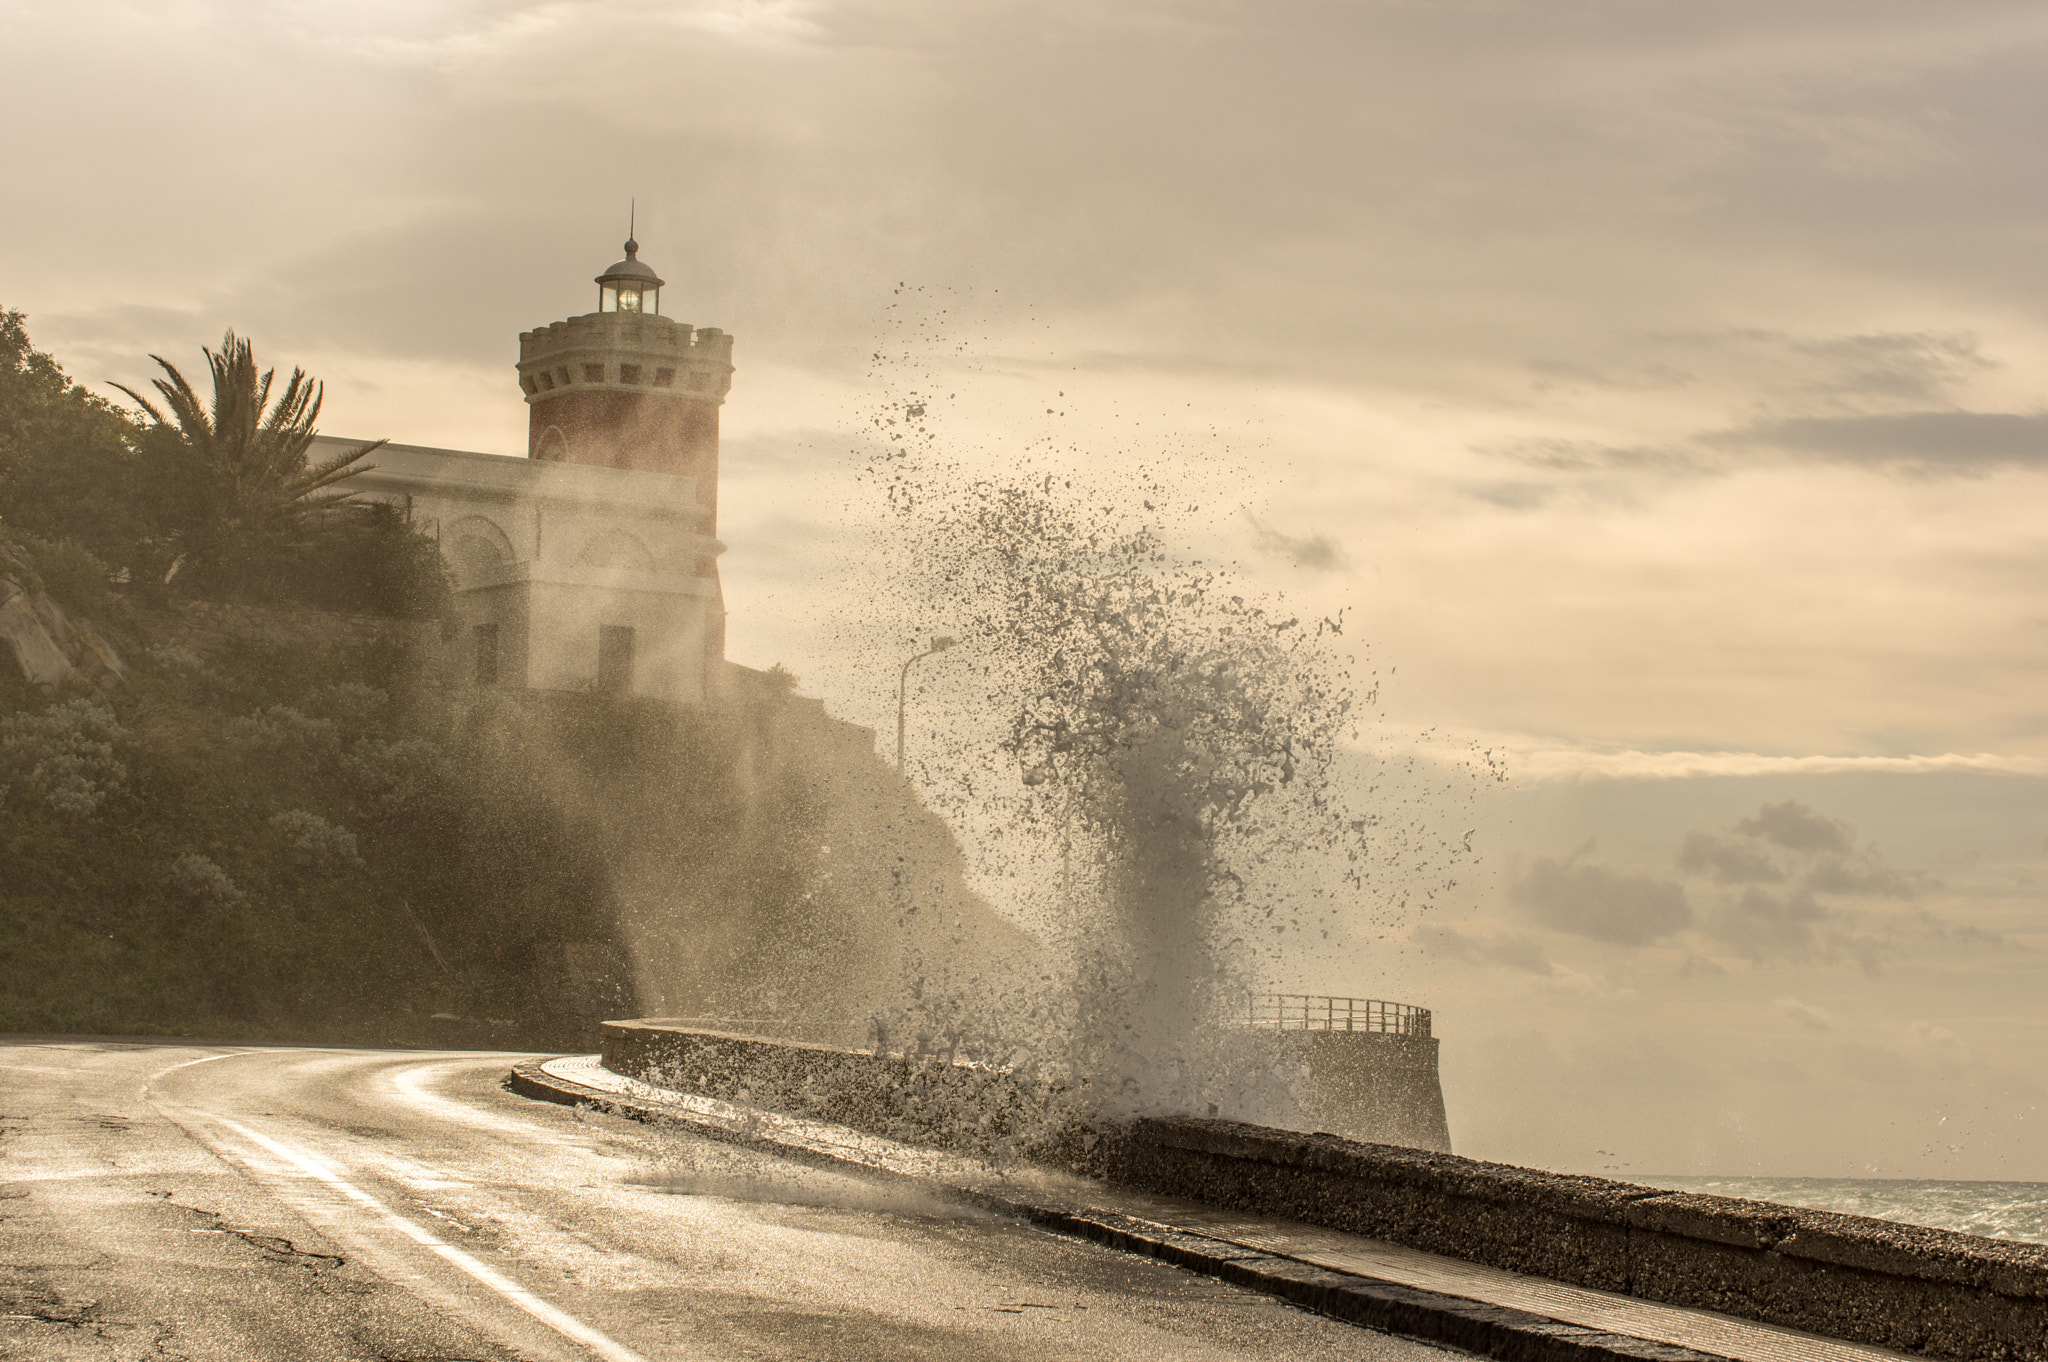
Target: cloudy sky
[1662, 388]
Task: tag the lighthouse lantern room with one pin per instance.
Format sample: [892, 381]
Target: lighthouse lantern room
[629, 285]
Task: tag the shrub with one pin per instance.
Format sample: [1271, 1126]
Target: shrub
[367, 560]
[197, 878]
[67, 462]
[64, 757]
[72, 573]
[175, 657]
[393, 777]
[318, 845]
[284, 734]
[350, 704]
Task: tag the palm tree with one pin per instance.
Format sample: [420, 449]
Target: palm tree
[264, 494]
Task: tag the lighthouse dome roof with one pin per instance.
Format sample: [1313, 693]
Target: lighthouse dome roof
[632, 269]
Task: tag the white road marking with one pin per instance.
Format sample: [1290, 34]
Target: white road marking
[150, 1082]
[563, 1323]
[407, 1082]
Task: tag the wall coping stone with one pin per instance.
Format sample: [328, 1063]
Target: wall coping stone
[1929, 1291]
[2008, 1267]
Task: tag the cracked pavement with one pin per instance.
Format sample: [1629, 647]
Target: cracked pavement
[185, 1201]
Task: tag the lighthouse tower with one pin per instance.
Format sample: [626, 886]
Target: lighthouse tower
[591, 564]
[625, 387]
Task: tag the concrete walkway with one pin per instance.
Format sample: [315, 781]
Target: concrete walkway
[1486, 1309]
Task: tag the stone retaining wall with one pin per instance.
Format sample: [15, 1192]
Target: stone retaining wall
[926, 1099]
[1925, 1291]
[1871, 1281]
[1370, 1085]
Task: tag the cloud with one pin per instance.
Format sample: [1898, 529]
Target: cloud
[1590, 900]
[1796, 827]
[1727, 860]
[1792, 845]
[1768, 1063]
[1547, 765]
[1936, 1055]
[1511, 949]
[1792, 926]
[1825, 846]
[1806, 1014]
[1876, 1064]
[1759, 924]
[1951, 441]
[1643, 378]
[1823, 850]
[1864, 876]
[1512, 496]
[1943, 930]
[1316, 551]
[1945, 1045]
[1919, 366]
[1770, 869]
[1828, 393]
[1559, 455]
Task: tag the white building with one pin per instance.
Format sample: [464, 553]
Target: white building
[591, 563]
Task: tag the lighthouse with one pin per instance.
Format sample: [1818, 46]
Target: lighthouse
[590, 563]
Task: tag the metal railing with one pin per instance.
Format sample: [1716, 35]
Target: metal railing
[1315, 1012]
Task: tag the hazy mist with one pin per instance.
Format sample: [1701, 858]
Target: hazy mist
[1656, 392]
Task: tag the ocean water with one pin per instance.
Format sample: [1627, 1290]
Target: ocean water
[2001, 1210]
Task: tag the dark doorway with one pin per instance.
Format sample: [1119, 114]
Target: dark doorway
[614, 658]
[486, 639]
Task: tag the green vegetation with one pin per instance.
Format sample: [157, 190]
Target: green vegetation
[253, 845]
[271, 820]
[239, 799]
[213, 498]
[294, 841]
[70, 466]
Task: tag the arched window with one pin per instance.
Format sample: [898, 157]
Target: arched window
[553, 446]
[475, 549]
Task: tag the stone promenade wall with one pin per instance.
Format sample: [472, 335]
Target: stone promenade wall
[1930, 1292]
[1871, 1281]
[927, 1099]
[1369, 1085]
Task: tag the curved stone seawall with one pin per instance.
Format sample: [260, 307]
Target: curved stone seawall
[1931, 1292]
[921, 1099]
[1919, 1290]
[1372, 1086]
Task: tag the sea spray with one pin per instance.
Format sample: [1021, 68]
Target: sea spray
[1159, 735]
[1141, 756]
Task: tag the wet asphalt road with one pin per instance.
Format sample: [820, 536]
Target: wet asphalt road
[163, 1201]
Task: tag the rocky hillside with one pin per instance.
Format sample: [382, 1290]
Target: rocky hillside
[237, 797]
[274, 821]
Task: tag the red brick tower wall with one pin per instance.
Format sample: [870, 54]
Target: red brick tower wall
[648, 432]
[636, 391]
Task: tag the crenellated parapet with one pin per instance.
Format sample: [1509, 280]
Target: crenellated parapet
[629, 352]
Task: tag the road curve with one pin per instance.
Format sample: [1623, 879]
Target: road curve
[197, 1201]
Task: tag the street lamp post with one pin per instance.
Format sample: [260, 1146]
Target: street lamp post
[939, 645]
